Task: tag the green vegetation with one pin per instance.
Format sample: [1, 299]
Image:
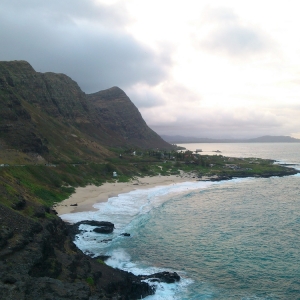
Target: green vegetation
[49, 184]
[100, 261]
[90, 281]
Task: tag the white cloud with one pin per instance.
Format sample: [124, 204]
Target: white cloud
[145, 96]
[219, 122]
[206, 68]
[53, 37]
[227, 34]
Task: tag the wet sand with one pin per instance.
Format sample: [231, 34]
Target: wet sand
[85, 197]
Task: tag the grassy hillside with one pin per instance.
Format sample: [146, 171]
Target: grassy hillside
[46, 184]
[47, 117]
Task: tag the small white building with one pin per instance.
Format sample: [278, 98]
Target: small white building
[115, 174]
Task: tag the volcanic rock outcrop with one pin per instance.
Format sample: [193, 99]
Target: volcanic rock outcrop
[38, 260]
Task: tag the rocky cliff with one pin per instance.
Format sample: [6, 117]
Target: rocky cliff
[47, 119]
[117, 113]
[48, 114]
[39, 261]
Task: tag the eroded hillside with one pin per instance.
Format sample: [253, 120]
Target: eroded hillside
[46, 117]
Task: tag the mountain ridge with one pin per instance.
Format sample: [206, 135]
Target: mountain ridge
[48, 114]
[53, 138]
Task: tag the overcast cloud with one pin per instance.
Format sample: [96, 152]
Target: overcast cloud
[203, 68]
[228, 35]
[81, 39]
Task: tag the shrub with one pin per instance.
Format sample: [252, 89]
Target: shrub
[90, 281]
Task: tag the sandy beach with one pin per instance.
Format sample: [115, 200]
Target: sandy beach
[85, 197]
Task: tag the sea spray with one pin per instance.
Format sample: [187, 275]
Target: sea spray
[233, 240]
[120, 259]
[128, 212]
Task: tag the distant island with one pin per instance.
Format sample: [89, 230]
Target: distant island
[177, 139]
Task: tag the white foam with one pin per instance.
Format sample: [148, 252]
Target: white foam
[123, 210]
[127, 211]
[291, 164]
[131, 204]
[120, 259]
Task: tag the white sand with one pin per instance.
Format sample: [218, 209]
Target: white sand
[86, 197]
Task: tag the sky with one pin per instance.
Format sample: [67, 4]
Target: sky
[215, 69]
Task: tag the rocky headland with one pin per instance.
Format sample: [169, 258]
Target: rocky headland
[47, 115]
[38, 260]
[47, 127]
[53, 138]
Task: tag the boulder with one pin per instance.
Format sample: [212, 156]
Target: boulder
[20, 204]
[104, 229]
[101, 227]
[166, 277]
[95, 223]
[125, 234]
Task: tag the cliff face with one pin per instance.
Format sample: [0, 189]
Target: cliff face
[47, 113]
[39, 261]
[46, 117]
[118, 114]
[55, 94]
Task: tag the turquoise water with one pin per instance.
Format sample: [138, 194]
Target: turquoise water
[235, 239]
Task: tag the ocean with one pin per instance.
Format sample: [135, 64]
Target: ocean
[236, 239]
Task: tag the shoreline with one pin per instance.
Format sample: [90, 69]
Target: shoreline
[84, 198]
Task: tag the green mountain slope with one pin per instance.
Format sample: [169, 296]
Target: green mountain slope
[47, 116]
[56, 138]
[116, 111]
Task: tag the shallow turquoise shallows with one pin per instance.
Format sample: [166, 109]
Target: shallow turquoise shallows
[237, 239]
